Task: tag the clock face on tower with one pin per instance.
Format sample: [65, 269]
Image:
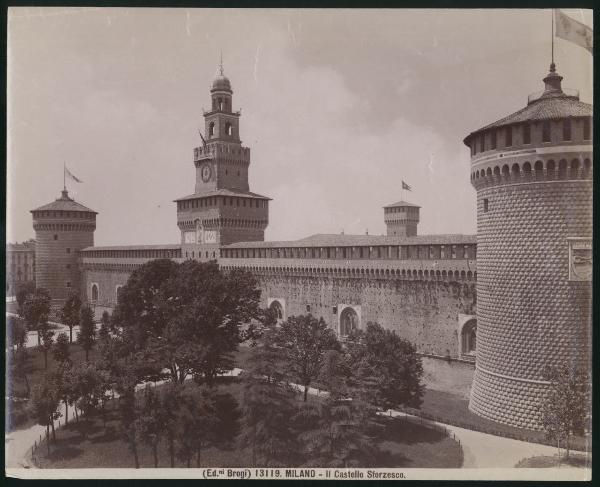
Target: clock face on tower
[205, 172]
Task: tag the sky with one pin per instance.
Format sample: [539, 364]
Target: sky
[338, 107]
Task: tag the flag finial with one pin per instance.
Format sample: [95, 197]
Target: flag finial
[221, 64]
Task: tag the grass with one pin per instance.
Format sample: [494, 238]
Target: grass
[401, 443]
[554, 461]
[453, 409]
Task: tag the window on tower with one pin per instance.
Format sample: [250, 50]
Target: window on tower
[546, 131]
[220, 103]
[228, 129]
[526, 134]
[211, 129]
[508, 136]
[567, 129]
[493, 135]
[587, 129]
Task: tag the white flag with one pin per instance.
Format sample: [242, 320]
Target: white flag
[571, 30]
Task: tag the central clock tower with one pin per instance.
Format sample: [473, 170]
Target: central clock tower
[222, 210]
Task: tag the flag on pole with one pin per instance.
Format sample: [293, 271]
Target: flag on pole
[571, 30]
[72, 176]
[405, 186]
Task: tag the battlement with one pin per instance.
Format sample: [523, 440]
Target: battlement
[230, 151]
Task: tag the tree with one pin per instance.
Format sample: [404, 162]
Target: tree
[305, 341]
[104, 331]
[61, 352]
[90, 389]
[70, 313]
[205, 418]
[44, 407]
[24, 290]
[47, 335]
[151, 421]
[35, 310]
[387, 369]
[170, 403]
[266, 411]
[566, 406]
[16, 332]
[185, 318]
[62, 380]
[129, 413]
[20, 368]
[87, 330]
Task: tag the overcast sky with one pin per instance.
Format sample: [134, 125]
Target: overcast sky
[338, 107]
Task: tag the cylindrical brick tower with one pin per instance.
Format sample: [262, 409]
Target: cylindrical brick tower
[62, 229]
[533, 174]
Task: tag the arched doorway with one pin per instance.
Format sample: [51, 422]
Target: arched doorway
[348, 321]
[94, 292]
[469, 338]
[277, 310]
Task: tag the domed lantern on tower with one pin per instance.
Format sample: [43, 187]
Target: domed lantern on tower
[533, 174]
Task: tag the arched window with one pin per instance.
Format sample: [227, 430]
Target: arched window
[574, 169]
[539, 169]
[469, 337]
[348, 322]
[551, 169]
[220, 103]
[211, 129]
[228, 129]
[94, 292]
[277, 310]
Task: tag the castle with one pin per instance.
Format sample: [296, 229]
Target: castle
[534, 226]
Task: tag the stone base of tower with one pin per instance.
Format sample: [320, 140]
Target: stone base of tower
[512, 401]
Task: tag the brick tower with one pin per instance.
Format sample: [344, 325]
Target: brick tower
[62, 228]
[401, 219]
[222, 209]
[533, 174]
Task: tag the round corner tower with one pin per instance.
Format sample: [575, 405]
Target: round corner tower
[62, 229]
[533, 174]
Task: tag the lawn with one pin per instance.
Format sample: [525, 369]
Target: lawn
[582, 461]
[401, 443]
[454, 409]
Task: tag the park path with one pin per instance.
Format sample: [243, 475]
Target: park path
[481, 450]
[57, 328]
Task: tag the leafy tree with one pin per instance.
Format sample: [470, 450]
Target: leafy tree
[87, 330]
[129, 413]
[47, 335]
[305, 341]
[386, 368]
[44, 407]
[19, 367]
[90, 388]
[565, 409]
[35, 310]
[104, 331]
[61, 352]
[70, 313]
[334, 433]
[62, 381]
[185, 318]
[205, 418]
[24, 290]
[16, 332]
[266, 410]
[170, 404]
[151, 421]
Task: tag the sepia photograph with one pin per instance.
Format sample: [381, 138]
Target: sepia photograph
[325, 244]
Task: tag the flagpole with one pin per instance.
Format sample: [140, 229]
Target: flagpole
[552, 36]
[64, 176]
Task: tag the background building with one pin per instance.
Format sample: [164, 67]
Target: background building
[20, 265]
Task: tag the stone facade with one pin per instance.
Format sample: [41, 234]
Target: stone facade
[20, 265]
[530, 202]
